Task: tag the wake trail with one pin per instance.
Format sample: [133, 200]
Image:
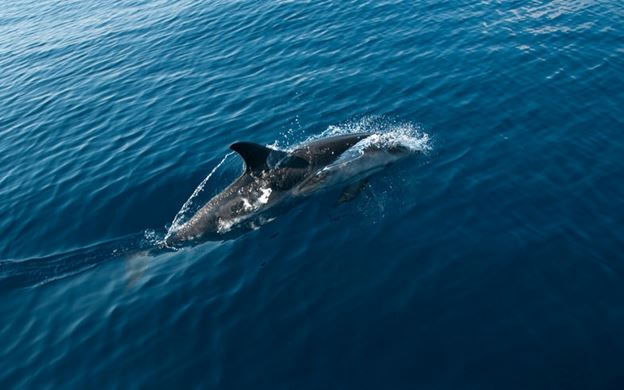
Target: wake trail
[37, 271]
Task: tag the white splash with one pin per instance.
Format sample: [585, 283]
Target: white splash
[386, 133]
[224, 226]
[416, 142]
[182, 215]
[264, 198]
[247, 204]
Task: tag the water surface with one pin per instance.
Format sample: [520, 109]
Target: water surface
[492, 261]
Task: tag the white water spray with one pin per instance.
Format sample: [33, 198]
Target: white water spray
[182, 215]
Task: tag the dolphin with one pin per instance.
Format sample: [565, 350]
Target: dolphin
[272, 177]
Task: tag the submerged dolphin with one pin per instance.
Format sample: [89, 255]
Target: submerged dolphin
[273, 176]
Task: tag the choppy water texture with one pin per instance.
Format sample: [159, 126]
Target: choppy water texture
[495, 260]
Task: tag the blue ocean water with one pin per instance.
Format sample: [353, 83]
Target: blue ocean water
[493, 260]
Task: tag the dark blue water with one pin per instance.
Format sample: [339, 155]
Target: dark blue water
[493, 260]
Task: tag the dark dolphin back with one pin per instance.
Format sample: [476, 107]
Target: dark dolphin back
[326, 150]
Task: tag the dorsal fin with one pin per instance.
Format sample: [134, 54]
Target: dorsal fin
[254, 155]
